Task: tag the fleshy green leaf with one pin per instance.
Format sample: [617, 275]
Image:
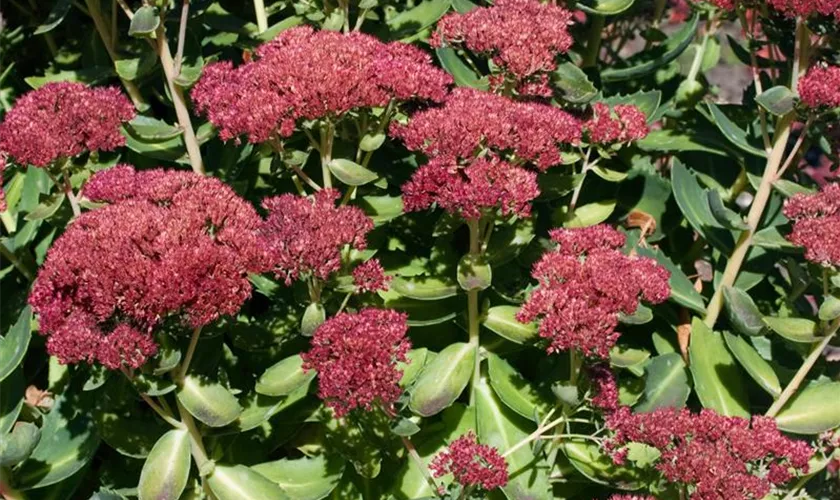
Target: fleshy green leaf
[208, 401]
[717, 379]
[502, 321]
[411, 370]
[512, 388]
[351, 173]
[694, 204]
[284, 377]
[759, 369]
[590, 214]
[304, 478]
[794, 329]
[463, 75]
[14, 345]
[237, 482]
[55, 17]
[443, 380]
[605, 7]
[726, 217]
[666, 383]
[424, 287]
[733, 132]
[778, 100]
[412, 21]
[18, 445]
[144, 22]
[575, 86]
[830, 308]
[814, 409]
[167, 468]
[588, 459]
[742, 312]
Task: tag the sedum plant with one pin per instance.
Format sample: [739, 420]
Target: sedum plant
[429, 249]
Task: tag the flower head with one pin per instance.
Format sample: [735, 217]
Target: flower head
[307, 74]
[805, 8]
[816, 224]
[471, 121]
[604, 387]
[472, 464]
[63, 120]
[305, 235]
[356, 358]
[485, 183]
[622, 123]
[2, 193]
[584, 284]
[370, 277]
[171, 244]
[619, 496]
[719, 457]
[522, 37]
[820, 87]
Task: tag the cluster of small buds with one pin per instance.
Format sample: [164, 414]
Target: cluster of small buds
[623, 123]
[62, 120]
[805, 8]
[178, 245]
[604, 387]
[584, 284]
[471, 121]
[307, 74]
[816, 224]
[485, 183]
[522, 37]
[356, 358]
[472, 464]
[820, 87]
[370, 277]
[717, 457]
[304, 236]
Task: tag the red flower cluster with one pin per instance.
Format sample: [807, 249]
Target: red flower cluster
[177, 244]
[604, 387]
[619, 496]
[356, 358]
[370, 277]
[622, 123]
[720, 458]
[522, 37]
[306, 74]
[471, 121]
[2, 193]
[820, 87]
[805, 8]
[305, 235]
[62, 120]
[724, 4]
[584, 283]
[816, 224]
[471, 463]
[485, 183]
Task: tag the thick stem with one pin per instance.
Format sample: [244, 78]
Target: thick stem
[7, 492]
[412, 452]
[190, 140]
[535, 435]
[697, 63]
[74, 201]
[795, 151]
[110, 46]
[576, 194]
[327, 136]
[20, 265]
[809, 362]
[262, 18]
[762, 195]
[593, 41]
[182, 35]
[185, 366]
[472, 306]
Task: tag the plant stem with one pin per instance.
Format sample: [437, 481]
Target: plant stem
[314, 185]
[262, 18]
[576, 194]
[472, 306]
[796, 146]
[344, 303]
[68, 191]
[809, 362]
[327, 135]
[6, 490]
[593, 41]
[185, 366]
[535, 435]
[110, 47]
[182, 35]
[197, 450]
[412, 452]
[697, 63]
[20, 265]
[765, 135]
[762, 195]
[190, 140]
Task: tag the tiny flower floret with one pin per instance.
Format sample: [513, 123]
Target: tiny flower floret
[620, 124]
[356, 358]
[820, 87]
[584, 284]
[370, 277]
[305, 235]
[169, 245]
[61, 120]
[816, 224]
[472, 464]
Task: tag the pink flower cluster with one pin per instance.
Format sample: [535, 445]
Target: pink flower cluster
[816, 224]
[170, 244]
[370, 277]
[522, 38]
[604, 387]
[62, 120]
[306, 74]
[2, 193]
[719, 458]
[584, 284]
[820, 87]
[485, 183]
[619, 496]
[805, 8]
[622, 123]
[471, 121]
[471, 464]
[356, 358]
[305, 235]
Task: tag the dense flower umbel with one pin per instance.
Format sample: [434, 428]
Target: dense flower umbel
[584, 283]
[485, 183]
[62, 120]
[719, 458]
[306, 74]
[820, 87]
[522, 37]
[370, 277]
[305, 235]
[604, 387]
[622, 123]
[804, 8]
[816, 224]
[471, 120]
[472, 464]
[170, 244]
[356, 358]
